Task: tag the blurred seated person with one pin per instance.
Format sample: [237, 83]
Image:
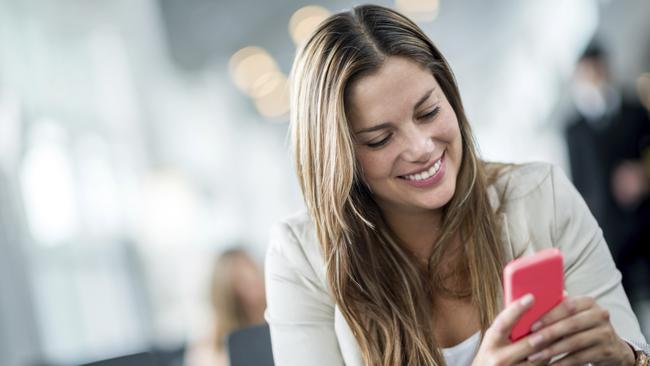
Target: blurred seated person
[237, 299]
[607, 140]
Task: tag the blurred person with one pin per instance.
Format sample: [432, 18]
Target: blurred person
[398, 259]
[607, 140]
[237, 299]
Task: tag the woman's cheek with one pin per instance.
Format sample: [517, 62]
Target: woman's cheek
[447, 130]
[376, 164]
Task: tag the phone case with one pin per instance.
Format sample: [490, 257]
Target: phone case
[540, 274]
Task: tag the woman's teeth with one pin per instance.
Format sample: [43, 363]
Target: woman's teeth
[426, 174]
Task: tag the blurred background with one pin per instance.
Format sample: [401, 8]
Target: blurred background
[139, 139]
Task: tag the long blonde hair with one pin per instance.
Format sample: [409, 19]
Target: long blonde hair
[384, 295]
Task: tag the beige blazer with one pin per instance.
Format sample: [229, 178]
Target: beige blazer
[541, 209]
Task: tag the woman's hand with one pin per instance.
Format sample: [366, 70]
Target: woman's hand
[581, 328]
[497, 349]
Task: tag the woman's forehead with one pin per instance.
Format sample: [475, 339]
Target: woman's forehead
[391, 91]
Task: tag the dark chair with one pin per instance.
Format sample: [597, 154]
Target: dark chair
[170, 357]
[155, 357]
[136, 359]
[250, 346]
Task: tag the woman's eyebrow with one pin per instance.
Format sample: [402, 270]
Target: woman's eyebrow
[423, 99]
[381, 126]
[375, 128]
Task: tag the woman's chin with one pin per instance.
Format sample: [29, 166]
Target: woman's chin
[438, 199]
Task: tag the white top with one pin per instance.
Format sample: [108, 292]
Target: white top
[463, 353]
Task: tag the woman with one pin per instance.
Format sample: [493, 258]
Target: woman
[398, 260]
[237, 297]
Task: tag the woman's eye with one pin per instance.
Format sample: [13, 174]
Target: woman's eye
[430, 114]
[380, 143]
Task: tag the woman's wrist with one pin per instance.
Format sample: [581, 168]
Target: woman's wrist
[641, 359]
[629, 354]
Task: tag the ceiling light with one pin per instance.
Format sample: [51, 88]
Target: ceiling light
[305, 21]
[249, 65]
[275, 103]
[419, 10]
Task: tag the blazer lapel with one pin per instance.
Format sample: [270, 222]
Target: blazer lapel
[495, 202]
[505, 239]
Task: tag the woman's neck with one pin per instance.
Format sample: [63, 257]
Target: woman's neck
[419, 231]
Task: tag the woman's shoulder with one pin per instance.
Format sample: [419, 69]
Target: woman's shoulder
[293, 240]
[297, 228]
[513, 182]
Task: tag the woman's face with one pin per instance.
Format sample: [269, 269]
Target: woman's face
[408, 141]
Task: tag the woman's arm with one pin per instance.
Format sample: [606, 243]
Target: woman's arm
[299, 310]
[590, 269]
[598, 326]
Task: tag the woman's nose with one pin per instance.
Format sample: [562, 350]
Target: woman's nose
[419, 146]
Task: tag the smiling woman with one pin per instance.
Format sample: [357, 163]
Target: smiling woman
[398, 260]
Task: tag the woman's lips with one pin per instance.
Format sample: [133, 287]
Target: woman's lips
[431, 180]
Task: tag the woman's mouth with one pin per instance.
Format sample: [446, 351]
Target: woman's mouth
[428, 176]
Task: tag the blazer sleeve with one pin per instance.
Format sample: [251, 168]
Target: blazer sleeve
[589, 267]
[299, 311]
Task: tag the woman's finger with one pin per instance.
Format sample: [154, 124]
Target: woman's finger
[503, 323]
[521, 349]
[563, 310]
[583, 357]
[528, 363]
[574, 343]
[577, 323]
[496, 348]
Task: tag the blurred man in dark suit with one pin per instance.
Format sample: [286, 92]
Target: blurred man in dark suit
[609, 141]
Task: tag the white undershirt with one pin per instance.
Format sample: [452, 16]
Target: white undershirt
[463, 353]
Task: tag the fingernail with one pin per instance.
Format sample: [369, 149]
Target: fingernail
[536, 326]
[535, 340]
[537, 356]
[527, 300]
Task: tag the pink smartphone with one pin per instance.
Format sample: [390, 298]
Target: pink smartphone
[540, 274]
